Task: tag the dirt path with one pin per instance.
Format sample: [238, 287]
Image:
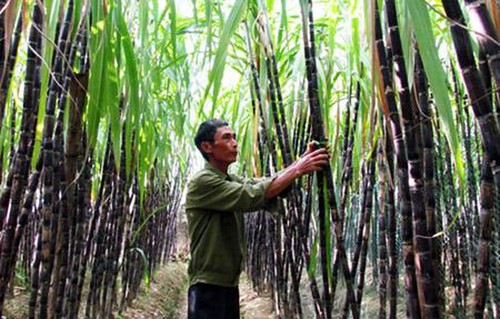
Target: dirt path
[252, 305]
[166, 298]
[255, 306]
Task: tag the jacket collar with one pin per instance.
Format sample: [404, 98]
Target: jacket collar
[216, 171]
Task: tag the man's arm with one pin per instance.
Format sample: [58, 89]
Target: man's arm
[211, 192]
[311, 161]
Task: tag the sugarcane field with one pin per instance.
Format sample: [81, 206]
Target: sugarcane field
[271, 158]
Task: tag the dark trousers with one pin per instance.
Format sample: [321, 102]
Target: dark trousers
[207, 301]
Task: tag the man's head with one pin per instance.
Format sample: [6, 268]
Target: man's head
[217, 141]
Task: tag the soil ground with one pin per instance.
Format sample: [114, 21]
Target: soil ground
[166, 297]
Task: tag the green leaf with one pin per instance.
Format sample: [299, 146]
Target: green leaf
[215, 75]
[313, 262]
[97, 76]
[145, 263]
[110, 95]
[438, 81]
[132, 75]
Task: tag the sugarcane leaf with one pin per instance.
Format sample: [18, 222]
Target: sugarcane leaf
[406, 36]
[110, 96]
[145, 264]
[144, 22]
[97, 78]
[78, 8]
[145, 222]
[283, 23]
[355, 45]
[5, 138]
[328, 234]
[132, 109]
[173, 27]
[217, 71]
[438, 234]
[313, 261]
[208, 18]
[437, 78]
[45, 72]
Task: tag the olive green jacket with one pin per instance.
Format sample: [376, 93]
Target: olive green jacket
[214, 206]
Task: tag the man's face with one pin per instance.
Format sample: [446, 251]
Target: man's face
[224, 148]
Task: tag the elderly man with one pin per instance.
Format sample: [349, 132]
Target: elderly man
[215, 203]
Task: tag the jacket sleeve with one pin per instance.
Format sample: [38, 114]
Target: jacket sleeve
[210, 192]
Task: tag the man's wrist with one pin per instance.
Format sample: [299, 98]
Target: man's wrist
[297, 172]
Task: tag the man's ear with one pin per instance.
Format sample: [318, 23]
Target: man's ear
[206, 147]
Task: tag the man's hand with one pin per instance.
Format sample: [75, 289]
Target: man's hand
[311, 161]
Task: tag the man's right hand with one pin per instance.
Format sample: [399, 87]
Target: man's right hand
[311, 161]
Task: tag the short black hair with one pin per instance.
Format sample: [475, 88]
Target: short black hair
[206, 133]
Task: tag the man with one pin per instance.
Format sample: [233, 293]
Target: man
[214, 205]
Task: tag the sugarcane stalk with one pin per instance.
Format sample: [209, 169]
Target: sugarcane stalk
[20, 166]
[425, 273]
[367, 213]
[97, 229]
[120, 213]
[35, 275]
[383, 260]
[423, 115]
[486, 198]
[480, 100]
[318, 133]
[360, 254]
[346, 174]
[289, 224]
[486, 35]
[8, 68]
[412, 300]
